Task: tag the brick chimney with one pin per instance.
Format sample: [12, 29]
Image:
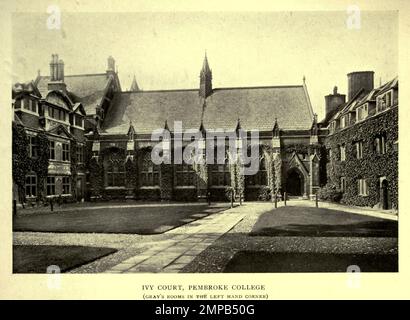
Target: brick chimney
[110, 65]
[359, 80]
[333, 101]
[56, 74]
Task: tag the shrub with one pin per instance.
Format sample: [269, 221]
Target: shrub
[330, 193]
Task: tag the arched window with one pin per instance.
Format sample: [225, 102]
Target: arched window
[260, 178]
[220, 173]
[149, 175]
[115, 173]
[185, 174]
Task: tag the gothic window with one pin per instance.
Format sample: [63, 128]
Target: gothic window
[149, 171]
[115, 173]
[260, 178]
[185, 174]
[220, 173]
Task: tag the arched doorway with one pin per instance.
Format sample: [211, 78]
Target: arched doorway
[384, 195]
[294, 183]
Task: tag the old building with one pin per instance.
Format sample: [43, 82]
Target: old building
[52, 119]
[99, 139]
[363, 142]
[289, 139]
[117, 132]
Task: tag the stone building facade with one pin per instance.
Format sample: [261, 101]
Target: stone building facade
[362, 144]
[116, 136]
[52, 126]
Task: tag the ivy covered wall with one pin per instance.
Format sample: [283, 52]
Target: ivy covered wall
[372, 166]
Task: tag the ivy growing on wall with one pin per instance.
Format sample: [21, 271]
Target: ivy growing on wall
[96, 177]
[21, 161]
[131, 176]
[40, 164]
[372, 166]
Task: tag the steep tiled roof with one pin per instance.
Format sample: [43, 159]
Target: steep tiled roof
[257, 107]
[362, 97]
[86, 88]
[148, 110]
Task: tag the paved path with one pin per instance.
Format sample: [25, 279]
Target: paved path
[184, 245]
[383, 214]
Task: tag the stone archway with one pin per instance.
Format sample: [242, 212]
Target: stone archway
[295, 183]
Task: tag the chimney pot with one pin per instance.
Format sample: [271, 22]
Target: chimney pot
[359, 80]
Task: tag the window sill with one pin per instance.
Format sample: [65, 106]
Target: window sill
[185, 187]
[149, 187]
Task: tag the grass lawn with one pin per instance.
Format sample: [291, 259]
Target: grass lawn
[254, 261]
[319, 222]
[140, 220]
[36, 259]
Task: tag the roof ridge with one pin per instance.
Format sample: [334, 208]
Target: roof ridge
[215, 89]
[80, 75]
[260, 87]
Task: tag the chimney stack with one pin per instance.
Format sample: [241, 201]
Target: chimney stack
[110, 65]
[359, 80]
[333, 101]
[56, 74]
[60, 70]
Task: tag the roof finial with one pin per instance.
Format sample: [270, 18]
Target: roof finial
[134, 85]
[304, 79]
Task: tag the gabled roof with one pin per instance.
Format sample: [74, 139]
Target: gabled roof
[362, 97]
[257, 107]
[89, 89]
[59, 130]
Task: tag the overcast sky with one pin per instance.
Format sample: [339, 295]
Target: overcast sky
[165, 50]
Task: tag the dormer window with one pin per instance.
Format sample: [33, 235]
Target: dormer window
[26, 104]
[332, 126]
[57, 114]
[362, 112]
[342, 122]
[385, 101]
[78, 121]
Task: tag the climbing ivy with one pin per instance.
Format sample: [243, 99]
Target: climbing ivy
[40, 164]
[21, 161]
[96, 177]
[372, 166]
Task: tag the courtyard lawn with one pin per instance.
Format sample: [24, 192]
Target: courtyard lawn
[254, 261]
[319, 222]
[139, 220]
[36, 259]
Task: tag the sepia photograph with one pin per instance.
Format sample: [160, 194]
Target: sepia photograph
[204, 142]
